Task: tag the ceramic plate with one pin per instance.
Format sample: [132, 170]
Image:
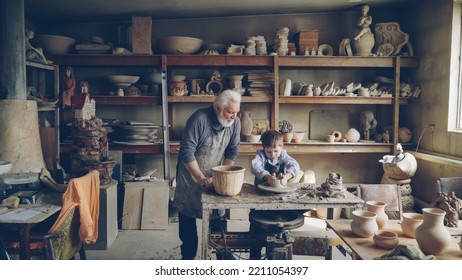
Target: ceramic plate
[288, 188]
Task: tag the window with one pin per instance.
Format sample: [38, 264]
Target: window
[455, 96]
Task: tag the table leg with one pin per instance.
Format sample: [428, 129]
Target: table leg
[205, 233]
[24, 241]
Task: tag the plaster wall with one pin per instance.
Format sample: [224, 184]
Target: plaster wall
[433, 42]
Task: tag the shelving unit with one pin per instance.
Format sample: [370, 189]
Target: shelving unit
[45, 78]
[275, 64]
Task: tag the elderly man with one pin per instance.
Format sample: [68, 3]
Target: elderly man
[210, 138]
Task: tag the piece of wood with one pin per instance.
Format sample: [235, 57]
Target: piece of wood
[141, 35]
[49, 147]
[154, 214]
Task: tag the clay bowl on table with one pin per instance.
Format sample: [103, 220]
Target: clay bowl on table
[386, 239]
[180, 45]
[53, 44]
[5, 166]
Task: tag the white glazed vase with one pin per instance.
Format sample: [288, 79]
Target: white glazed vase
[378, 208]
[432, 236]
[364, 223]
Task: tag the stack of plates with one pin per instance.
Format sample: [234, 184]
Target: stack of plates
[135, 134]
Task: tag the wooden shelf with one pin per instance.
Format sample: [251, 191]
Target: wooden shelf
[344, 62]
[102, 60]
[211, 98]
[249, 61]
[34, 64]
[126, 149]
[339, 100]
[127, 100]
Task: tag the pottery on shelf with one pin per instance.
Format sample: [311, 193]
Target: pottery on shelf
[287, 137]
[298, 137]
[364, 223]
[178, 88]
[410, 222]
[246, 122]
[432, 236]
[352, 135]
[378, 208]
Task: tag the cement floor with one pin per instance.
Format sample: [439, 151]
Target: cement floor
[165, 245]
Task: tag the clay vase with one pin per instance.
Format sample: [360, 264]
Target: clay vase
[287, 137]
[363, 46]
[364, 223]
[410, 222]
[246, 122]
[378, 208]
[432, 236]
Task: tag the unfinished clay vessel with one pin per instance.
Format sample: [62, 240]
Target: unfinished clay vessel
[364, 223]
[378, 208]
[410, 222]
[432, 236]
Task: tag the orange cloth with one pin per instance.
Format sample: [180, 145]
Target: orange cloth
[83, 193]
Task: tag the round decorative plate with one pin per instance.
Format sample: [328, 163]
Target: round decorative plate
[286, 189]
[325, 50]
[386, 49]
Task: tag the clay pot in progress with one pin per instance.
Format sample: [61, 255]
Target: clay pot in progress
[432, 236]
[364, 223]
[410, 222]
[378, 208]
[228, 179]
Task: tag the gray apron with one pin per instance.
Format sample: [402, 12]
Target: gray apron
[209, 154]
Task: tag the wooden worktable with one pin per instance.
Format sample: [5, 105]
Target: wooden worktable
[364, 248]
[252, 198]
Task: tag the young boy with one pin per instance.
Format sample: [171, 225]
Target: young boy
[272, 163]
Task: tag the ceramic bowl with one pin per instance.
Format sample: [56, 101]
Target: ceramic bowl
[386, 239]
[53, 44]
[298, 137]
[252, 138]
[122, 80]
[180, 45]
[178, 78]
[5, 166]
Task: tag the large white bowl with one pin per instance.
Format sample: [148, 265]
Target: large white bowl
[5, 166]
[53, 44]
[180, 45]
[122, 79]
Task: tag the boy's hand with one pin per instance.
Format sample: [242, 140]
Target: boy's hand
[271, 180]
[284, 181]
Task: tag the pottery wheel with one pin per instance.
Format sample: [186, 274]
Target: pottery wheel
[267, 188]
[267, 219]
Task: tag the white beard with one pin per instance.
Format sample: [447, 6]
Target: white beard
[224, 122]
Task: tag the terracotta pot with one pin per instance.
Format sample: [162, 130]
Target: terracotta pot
[364, 45]
[287, 137]
[410, 222]
[364, 223]
[378, 208]
[432, 236]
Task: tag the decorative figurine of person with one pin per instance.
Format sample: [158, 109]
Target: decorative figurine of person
[386, 137]
[68, 87]
[368, 123]
[33, 54]
[364, 23]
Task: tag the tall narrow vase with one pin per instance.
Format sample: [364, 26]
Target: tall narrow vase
[378, 208]
[246, 122]
[432, 236]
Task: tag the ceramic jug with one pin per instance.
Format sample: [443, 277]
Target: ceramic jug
[246, 122]
[378, 208]
[432, 236]
[364, 223]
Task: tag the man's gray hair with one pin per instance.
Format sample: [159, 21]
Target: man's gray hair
[224, 98]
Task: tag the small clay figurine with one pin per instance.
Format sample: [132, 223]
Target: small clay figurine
[386, 137]
[33, 54]
[363, 23]
[68, 87]
[368, 123]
